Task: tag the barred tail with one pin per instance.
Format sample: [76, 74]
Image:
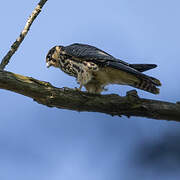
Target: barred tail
[155, 81]
[148, 85]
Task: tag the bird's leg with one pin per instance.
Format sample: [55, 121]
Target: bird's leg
[79, 89]
[79, 81]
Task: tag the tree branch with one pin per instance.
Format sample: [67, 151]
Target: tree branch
[22, 35]
[65, 98]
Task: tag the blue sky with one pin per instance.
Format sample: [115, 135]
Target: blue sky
[37, 142]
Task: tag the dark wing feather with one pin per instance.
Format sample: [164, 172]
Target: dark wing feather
[143, 67]
[87, 52]
[91, 53]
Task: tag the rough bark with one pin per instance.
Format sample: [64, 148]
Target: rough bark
[65, 98]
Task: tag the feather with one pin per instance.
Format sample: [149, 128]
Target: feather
[143, 67]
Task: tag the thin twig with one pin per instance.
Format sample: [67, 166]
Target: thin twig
[22, 35]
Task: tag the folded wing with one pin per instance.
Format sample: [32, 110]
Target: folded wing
[90, 53]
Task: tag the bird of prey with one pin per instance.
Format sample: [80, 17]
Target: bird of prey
[93, 68]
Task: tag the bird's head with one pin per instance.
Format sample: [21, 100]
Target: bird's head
[53, 57]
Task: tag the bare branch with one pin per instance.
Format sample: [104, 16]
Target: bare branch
[65, 98]
[24, 32]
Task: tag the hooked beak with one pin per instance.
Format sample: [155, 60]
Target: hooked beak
[48, 64]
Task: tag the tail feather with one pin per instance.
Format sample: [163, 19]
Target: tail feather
[155, 81]
[147, 85]
[143, 67]
[134, 77]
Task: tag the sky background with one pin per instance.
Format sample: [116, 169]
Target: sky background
[41, 143]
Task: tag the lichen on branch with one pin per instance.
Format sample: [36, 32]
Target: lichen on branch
[65, 98]
[16, 44]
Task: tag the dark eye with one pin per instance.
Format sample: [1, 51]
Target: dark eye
[48, 57]
[53, 60]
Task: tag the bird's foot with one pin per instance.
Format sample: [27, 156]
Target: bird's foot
[105, 89]
[78, 89]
